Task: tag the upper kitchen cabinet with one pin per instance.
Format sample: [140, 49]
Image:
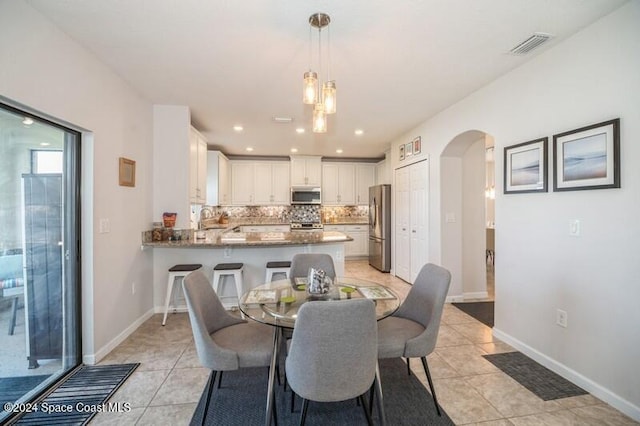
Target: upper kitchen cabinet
[259, 183]
[338, 184]
[271, 182]
[218, 191]
[365, 177]
[197, 167]
[306, 170]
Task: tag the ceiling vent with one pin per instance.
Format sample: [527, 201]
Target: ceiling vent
[531, 43]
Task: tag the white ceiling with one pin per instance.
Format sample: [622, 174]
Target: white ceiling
[396, 63]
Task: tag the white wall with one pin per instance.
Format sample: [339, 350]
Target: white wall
[589, 78]
[473, 221]
[171, 124]
[47, 71]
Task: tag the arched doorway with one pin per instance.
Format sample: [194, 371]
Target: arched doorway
[466, 177]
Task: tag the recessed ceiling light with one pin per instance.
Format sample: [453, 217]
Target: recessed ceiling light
[44, 144]
[27, 121]
[338, 151]
[294, 149]
[282, 119]
[359, 132]
[300, 130]
[249, 149]
[238, 128]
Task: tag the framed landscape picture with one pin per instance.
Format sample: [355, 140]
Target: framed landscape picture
[587, 158]
[525, 167]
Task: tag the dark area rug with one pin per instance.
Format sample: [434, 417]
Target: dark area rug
[482, 311]
[88, 387]
[12, 388]
[242, 401]
[543, 382]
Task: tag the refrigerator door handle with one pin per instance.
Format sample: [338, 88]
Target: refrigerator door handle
[373, 213]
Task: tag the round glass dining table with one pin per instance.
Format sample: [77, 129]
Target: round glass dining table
[277, 303]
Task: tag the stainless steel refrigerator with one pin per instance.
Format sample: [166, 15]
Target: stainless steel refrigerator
[380, 227]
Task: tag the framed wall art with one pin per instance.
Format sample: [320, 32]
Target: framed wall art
[587, 158]
[417, 145]
[127, 172]
[408, 149]
[525, 167]
[401, 152]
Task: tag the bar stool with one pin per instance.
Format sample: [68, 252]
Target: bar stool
[234, 270]
[176, 271]
[277, 268]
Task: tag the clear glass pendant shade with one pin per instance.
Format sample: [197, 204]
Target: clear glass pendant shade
[329, 97]
[309, 95]
[319, 119]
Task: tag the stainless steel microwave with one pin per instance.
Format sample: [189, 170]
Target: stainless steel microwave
[306, 195]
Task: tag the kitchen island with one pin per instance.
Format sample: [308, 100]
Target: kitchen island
[253, 249]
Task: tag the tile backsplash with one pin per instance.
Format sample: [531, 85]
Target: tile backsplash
[287, 214]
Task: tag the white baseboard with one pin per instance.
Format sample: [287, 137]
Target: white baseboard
[585, 383]
[91, 359]
[476, 295]
[454, 299]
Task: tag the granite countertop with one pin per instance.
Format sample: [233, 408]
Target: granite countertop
[254, 239]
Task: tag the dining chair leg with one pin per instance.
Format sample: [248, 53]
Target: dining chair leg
[433, 391]
[220, 380]
[210, 385]
[366, 409]
[371, 392]
[378, 388]
[293, 400]
[303, 414]
[409, 366]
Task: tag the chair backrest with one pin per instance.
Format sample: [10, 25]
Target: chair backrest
[334, 350]
[301, 263]
[207, 315]
[424, 305]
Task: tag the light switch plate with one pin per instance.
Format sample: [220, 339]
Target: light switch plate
[574, 228]
[105, 226]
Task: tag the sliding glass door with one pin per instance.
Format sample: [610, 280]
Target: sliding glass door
[39, 254]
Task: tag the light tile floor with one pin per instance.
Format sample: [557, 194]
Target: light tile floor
[165, 388]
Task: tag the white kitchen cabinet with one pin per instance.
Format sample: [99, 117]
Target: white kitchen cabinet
[217, 179]
[306, 170]
[242, 182]
[197, 167]
[260, 183]
[382, 173]
[365, 177]
[338, 184]
[359, 247]
[411, 220]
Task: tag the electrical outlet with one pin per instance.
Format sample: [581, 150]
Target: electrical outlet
[133, 287]
[561, 318]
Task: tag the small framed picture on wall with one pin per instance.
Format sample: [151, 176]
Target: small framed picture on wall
[417, 145]
[401, 152]
[408, 149]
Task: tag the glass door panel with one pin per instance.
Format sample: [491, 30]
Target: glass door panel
[39, 267]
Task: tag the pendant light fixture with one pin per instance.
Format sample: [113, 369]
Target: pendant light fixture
[321, 95]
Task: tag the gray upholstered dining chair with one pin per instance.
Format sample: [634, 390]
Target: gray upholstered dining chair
[223, 342]
[301, 263]
[412, 330]
[328, 366]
